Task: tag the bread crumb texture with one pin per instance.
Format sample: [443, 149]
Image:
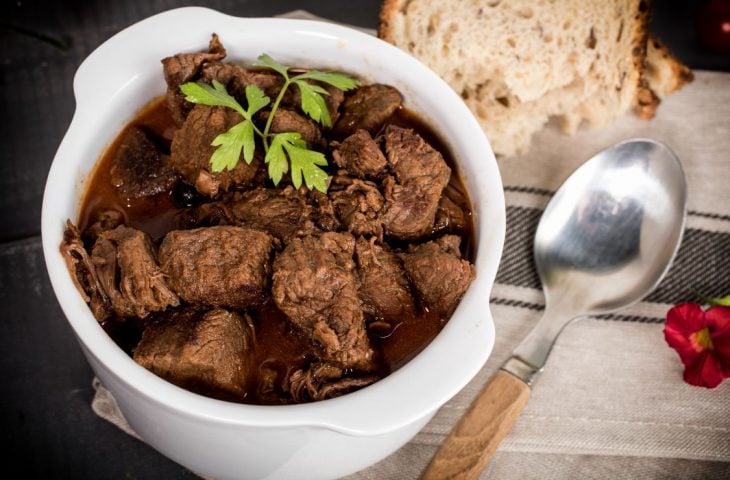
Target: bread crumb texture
[517, 63]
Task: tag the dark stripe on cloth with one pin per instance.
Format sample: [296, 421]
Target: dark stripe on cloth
[702, 263]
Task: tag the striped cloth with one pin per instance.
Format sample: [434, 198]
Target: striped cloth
[611, 403]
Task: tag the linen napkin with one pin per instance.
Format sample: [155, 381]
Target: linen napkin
[611, 402]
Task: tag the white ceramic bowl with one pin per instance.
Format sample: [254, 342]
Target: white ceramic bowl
[319, 440]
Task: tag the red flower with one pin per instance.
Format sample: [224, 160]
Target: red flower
[702, 340]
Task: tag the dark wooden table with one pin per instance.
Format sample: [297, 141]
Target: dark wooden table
[48, 428]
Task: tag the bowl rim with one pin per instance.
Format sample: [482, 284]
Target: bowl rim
[382, 407]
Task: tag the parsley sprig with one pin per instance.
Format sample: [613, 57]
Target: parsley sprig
[284, 151]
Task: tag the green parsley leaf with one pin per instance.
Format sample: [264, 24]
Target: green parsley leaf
[229, 145]
[213, 96]
[265, 60]
[304, 163]
[256, 99]
[338, 80]
[313, 103]
[276, 157]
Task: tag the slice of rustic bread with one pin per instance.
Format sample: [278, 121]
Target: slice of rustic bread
[518, 63]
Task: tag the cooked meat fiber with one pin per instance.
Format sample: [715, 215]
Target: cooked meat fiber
[367, 109]
[126, 266]
[236, 78]
[315, 285]
[139, 168]
[191, 151]
[83, 272]
[358, 206]
[206, 215]
[207, 352]
[438, 273]
[282, 213]
[322, 381]
[384, 288]
[218, 266]
[103, 221]
[360, 156]
[421, 174]
[186, 67]
[290, 121]
[450, 217]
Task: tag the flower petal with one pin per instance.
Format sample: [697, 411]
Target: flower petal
[686, 318]
[718, 323]
[682, 322]
[705, 371]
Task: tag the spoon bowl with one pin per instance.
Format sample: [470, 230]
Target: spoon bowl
[605, 241]
[607, 237]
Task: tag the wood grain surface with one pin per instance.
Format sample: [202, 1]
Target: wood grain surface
[475, 438]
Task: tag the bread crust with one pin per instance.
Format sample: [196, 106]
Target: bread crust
[388, 9]
[631, 72]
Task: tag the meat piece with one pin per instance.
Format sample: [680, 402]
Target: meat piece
[218, 266]
[360, 156]
[315, 285]
[207, 352]
[358, 206]
[368, 109]
[83, 272]
[421, 176]
[186, 67]
[438, 273]
[105, 220]
[451, 216]
[191, 151]
[236, 78]
[126, 266]
[282, 213]
[323, 213]
[291, 121]
[384, 289]
[322, 381]
[205, 215]
[139, 169]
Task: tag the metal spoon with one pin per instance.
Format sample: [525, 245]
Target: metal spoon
[605, 240]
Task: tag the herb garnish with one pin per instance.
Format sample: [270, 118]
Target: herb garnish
[284, 151]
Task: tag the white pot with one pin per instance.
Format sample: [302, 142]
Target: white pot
[319, 440]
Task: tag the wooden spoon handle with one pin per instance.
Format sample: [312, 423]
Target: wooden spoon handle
[473, 441]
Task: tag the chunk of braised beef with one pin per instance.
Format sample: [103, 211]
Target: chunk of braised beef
[322, 381]
[103, 221]
[83, 273]
[368, 108]
[360, 155]
[139, 169]
[438, 273]
[384, 288]
[290, 121]
[206, 215]
[421, 174]
[126, 266]
[191, 151]
[208, 352]
[451, 216]
[315, 285]
[224, 266]
[358, 204]
[236, 78]
[282, 213]
[186, 67]
[323, 212]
